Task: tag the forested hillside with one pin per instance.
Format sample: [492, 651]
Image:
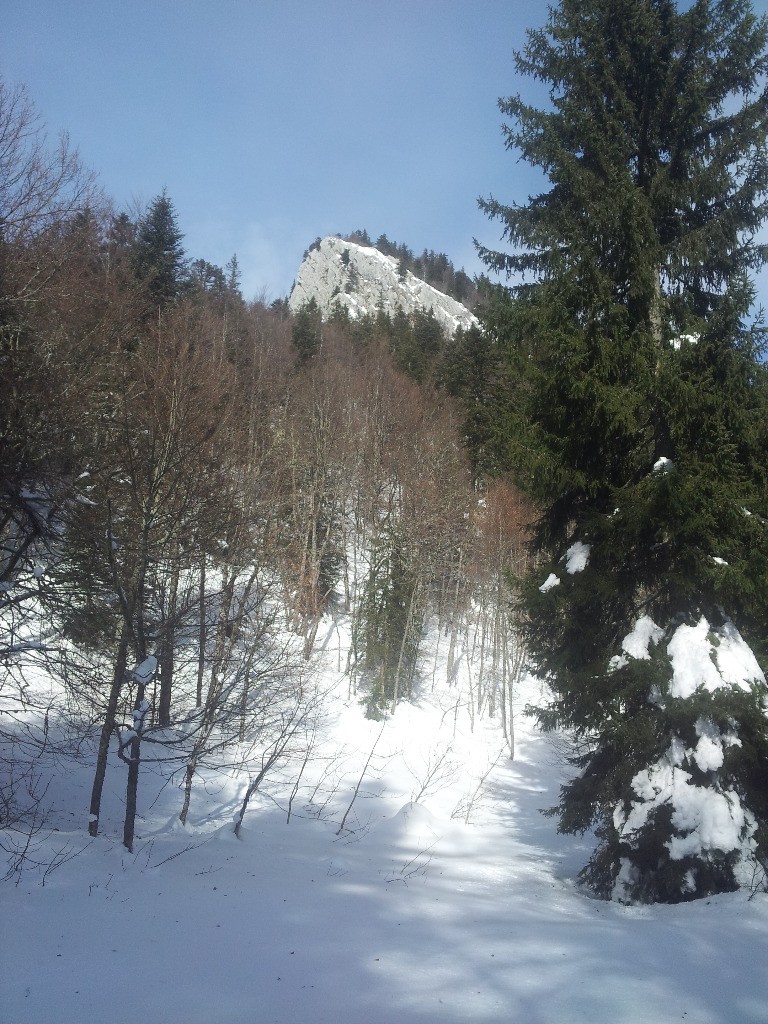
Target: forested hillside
[191, 481]
[184, 472]
[367, 655]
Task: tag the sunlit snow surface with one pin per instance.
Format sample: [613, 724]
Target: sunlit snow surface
[410, 916]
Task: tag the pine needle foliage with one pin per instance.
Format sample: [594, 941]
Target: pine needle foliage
[158, 255]
[635, 417]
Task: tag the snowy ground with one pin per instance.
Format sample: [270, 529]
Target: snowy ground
[411, 915]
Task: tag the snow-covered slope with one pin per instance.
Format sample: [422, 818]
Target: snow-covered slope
[416, 882]
[363, 280]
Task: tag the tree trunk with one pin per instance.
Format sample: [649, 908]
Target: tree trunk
[189, 775]
[141, 708]
[454, 623]
[106, 732]
[129, 822]
[131, 793]
[167, 647]
[406, 631]
[201, 637]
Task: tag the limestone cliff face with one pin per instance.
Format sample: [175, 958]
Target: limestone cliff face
[362, 280]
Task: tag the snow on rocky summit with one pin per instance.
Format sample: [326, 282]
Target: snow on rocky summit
[363, 280]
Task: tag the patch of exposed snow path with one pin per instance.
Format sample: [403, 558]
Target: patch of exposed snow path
[409, 917]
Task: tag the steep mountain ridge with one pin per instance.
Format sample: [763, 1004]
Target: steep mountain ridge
[363, 280]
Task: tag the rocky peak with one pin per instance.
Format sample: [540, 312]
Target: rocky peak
[363, 280]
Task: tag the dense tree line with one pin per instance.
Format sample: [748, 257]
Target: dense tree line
[190, 484]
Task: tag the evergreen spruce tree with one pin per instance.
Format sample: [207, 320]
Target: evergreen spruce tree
[158, 255]
[638, 426]
[476, 368]
[234, 277]
[307, 331]
[389, 621]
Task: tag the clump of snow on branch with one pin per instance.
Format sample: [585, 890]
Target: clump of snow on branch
[709, 819]
[685, 339]
[636, 644]
[144, 673]
[549, 582]
[710, 658]
[708, 753]
[577, 557]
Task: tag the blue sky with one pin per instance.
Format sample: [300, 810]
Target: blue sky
[271, 122]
